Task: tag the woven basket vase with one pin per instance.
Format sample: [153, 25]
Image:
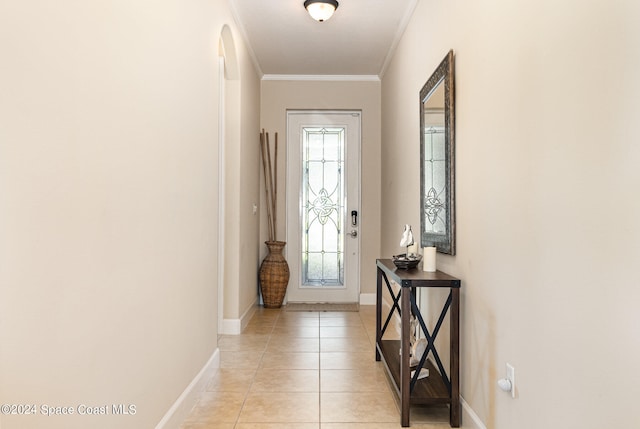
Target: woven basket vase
[274, 275]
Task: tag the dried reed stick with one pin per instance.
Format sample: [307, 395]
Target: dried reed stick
[266, 183]
[270, 181]
[264, 171]
[275, 187]
[273, 223]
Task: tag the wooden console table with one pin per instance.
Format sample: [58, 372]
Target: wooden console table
[437, 388]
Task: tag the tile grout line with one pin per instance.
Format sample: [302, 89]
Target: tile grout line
[279, 321]
[244, 401]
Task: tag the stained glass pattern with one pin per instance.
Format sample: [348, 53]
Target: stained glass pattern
[323, 207]
[435, 180]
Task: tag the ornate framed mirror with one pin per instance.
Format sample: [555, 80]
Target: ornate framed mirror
[437, 143]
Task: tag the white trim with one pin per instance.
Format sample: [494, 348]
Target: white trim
[473, 417]
[221, 187]
[396, 41]
[353, 191]
[180, 409]
[246, 317]
[236, 326]
[231, 327]
[367, 299]
[328, 77]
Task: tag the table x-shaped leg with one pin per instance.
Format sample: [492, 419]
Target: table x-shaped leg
[430, 341]
[395, 306]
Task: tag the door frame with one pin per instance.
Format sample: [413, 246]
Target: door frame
[221, 190]
[295, 277]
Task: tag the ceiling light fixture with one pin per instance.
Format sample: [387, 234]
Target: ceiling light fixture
[321, 10]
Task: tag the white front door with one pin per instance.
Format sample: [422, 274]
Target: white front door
[323, 206]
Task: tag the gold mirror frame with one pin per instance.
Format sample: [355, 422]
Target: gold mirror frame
[437, 149]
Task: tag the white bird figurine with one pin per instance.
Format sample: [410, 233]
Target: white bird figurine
[407, 237]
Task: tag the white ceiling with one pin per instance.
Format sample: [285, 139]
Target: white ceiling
[358, 40]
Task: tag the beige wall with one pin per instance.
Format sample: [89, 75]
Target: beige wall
[547, 199]
[249, 190]
[242, 187]
[278, 96]
[108, 203]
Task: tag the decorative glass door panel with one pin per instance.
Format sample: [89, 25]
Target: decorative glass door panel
[323, 207]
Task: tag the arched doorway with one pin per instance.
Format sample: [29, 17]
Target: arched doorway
[228, 118]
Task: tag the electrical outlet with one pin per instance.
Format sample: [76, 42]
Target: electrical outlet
[511, 376]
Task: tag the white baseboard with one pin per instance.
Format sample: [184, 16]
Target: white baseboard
[231, 327]
[470, 416]
[235, 326]
[367, 299]
[246, 317]
[180, 409]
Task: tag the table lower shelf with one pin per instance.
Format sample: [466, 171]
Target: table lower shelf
[429, 390]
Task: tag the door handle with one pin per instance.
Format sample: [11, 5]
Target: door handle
[353, 233]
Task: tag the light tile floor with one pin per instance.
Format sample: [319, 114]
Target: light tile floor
[304, 370]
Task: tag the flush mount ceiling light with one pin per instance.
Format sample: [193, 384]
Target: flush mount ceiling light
[321, 10]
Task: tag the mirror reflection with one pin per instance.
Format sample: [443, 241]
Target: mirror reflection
[436, 149]
[434, 163]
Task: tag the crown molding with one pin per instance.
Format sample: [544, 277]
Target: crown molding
[335, 78]
[396, 41]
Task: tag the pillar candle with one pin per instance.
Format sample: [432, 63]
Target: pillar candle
[429, 259]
